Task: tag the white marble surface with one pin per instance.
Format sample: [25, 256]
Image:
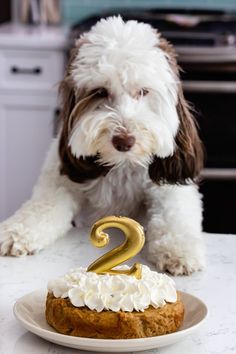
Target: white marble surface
[216, 286]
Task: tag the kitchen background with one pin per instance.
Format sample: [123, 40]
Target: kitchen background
[74, 10]
[32, 59]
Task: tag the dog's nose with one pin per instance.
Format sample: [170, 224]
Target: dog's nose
[123, 142]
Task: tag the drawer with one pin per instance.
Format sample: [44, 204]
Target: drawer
[31, 69]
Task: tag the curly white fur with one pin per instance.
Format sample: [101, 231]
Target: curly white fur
[125, 59]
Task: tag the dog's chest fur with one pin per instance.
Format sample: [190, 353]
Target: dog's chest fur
[120, 192]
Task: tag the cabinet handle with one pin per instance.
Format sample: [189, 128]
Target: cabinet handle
[33, 71]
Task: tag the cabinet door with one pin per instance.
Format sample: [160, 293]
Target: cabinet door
[26, 129]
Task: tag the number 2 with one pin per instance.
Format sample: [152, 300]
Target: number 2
[132, 245]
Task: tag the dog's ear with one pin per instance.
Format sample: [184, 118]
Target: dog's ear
[187, 160]
[79, 169]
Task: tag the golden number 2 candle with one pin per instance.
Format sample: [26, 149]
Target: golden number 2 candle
[134, 241]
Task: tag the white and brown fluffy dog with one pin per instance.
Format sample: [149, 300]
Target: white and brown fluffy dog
[127, 140]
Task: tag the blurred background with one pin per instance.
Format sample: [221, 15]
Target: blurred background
[35, 39]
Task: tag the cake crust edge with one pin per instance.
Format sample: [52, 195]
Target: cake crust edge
[83, 322]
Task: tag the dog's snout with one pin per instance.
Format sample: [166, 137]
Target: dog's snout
[123, 142]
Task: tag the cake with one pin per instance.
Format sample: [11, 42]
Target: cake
[86, 304]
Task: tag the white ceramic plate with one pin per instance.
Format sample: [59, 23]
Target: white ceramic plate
[29, 310]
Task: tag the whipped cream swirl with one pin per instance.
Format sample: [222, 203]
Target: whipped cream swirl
[116, 293]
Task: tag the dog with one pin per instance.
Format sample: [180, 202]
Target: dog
[127, 142]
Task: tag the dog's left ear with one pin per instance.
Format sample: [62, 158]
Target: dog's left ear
[187, 160]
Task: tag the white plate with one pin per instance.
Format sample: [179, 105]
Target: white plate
[29, 310]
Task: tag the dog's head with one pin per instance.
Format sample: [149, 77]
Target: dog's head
[123, 101]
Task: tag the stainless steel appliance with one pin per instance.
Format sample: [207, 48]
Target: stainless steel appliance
[206, 45]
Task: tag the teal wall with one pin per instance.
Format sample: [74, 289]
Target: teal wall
[74, 10]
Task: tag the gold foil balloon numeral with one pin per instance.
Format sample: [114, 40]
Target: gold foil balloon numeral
[129, 248]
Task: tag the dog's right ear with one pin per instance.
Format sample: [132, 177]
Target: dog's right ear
[68, 101]
[66, 90]
[82, 168]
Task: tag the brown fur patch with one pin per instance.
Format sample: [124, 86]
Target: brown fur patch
[83, 168]
[187, 161]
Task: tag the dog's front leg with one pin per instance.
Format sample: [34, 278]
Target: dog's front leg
[174, 235]
[45, 217]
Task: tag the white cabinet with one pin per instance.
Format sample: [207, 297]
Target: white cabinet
[29, 75]
[33, 69]
[26, 129]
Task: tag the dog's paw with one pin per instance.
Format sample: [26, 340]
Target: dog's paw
[176, 261]
[177, 266]
[13, 243]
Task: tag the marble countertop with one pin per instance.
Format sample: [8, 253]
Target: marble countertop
[216, 286]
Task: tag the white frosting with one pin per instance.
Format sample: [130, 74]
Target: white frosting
[114, 292]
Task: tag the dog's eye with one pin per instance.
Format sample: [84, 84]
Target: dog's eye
[142, 92]
[102, 92]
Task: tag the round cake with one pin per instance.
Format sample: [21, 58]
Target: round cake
[86, 304]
